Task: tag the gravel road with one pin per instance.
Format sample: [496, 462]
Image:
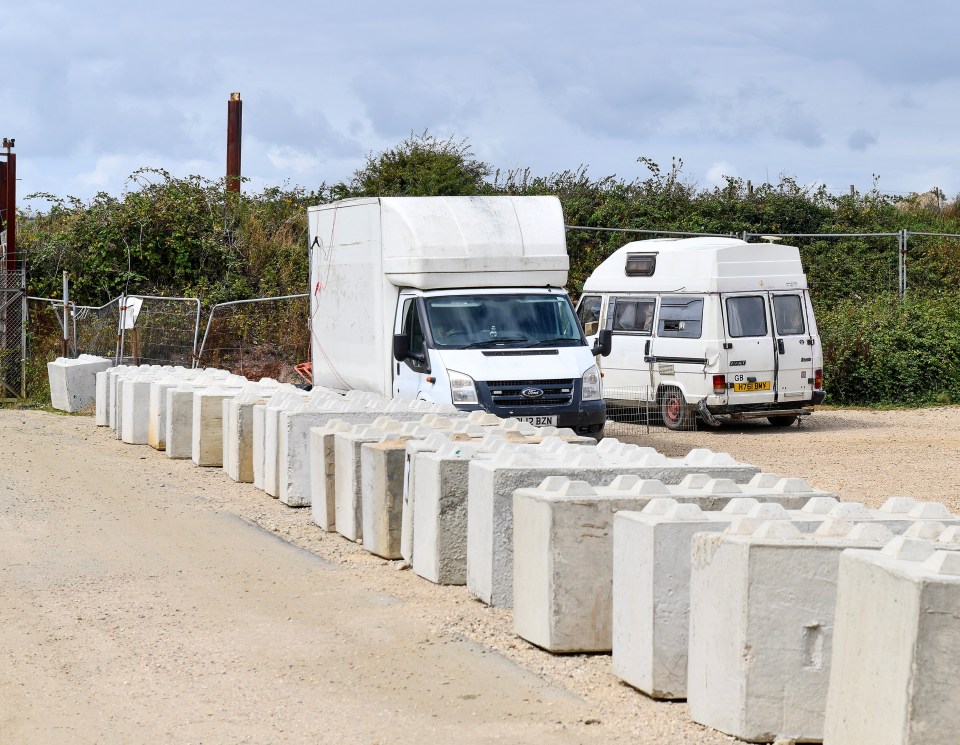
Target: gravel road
[147, 600]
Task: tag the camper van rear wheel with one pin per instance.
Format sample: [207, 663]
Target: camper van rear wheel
[673, 409]
[784, 420]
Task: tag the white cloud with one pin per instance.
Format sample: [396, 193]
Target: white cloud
[717, 173]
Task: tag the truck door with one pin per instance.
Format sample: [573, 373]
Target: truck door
[410, 374]
[794, 346]
[752, 352]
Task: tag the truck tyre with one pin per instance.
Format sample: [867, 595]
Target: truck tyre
[782, 421]
[674, 410]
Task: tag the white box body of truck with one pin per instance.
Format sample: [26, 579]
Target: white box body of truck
[471, 288]
[710, 326]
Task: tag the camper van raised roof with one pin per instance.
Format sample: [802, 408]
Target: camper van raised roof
[698, 265]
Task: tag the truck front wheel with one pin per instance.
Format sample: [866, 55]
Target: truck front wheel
[674, 410]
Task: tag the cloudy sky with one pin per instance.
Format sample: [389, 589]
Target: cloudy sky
[825, 92]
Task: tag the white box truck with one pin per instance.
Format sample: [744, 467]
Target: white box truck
[710, 326]
[452, 299]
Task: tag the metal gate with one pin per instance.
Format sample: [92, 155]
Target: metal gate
[13, 333]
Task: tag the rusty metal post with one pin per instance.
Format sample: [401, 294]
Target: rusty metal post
[8, 202]
[234, 126]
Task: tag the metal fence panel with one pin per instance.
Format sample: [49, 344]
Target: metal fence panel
[263, 337]
[13, 334]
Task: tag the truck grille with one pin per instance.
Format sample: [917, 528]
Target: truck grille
[509, 392]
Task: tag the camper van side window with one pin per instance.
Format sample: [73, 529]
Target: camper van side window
[633, 316]
[747, 316]
[788, 311]
[681, 317]
[640, 265]
[589, 314]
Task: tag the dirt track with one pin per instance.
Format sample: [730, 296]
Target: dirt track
[147, 600]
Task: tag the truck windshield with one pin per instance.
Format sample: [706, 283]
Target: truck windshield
[515, 320]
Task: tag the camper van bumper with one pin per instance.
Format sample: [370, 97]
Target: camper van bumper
[756, 411]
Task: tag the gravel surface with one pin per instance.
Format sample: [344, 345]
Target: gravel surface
[144, 599]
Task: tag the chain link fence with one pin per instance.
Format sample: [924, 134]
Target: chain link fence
[263, 337]
[13, 334]
[637, 410]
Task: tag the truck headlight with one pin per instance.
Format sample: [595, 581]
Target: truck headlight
[462, 388]
[591, 389]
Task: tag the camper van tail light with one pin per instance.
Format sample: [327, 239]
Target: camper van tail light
[719, 383]
[818, 380]
[591, 389]
[462, 388]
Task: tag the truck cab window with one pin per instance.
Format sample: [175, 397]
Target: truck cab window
[412, 328]
[589, 313]
[747, 316]
[681, 316]
[633, 316]
[788, 310]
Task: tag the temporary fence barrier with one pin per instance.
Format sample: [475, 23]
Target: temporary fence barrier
[260, 337]
[13, 333]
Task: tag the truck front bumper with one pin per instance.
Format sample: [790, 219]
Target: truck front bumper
[583, 417]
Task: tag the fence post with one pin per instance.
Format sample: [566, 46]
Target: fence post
[903, 263]
[66, 315]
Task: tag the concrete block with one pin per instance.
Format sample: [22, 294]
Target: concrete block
[178, 425]
[73, 381]
[102, 405]
[347, 475]
[238, 429]
[157, 415]
[208, 425]
[265, 443]
[492, 483]
[411, 450]
[563, 563]
[323, 474]
[761, 628]
[440, 513]
[381, 491]
[135, 408]
[651, 592]
[895, 646]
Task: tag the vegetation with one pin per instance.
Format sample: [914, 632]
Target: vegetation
[187, 236]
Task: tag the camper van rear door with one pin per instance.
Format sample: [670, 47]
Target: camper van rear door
[753, 365]
[794, 378]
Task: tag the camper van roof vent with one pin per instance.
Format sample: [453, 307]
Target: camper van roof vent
[641, 265]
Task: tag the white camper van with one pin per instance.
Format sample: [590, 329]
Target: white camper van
[710, 326]
[452, 299]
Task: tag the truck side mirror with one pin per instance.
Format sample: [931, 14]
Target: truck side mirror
[401, 347]
[604, 343]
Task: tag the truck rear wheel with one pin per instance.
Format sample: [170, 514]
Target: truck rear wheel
[782, 421]
[674, 410]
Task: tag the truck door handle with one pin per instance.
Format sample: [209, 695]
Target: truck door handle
[780, 347]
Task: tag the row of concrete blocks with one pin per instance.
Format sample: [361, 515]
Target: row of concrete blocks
[735, 609]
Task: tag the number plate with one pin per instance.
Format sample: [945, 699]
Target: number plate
[760, 385]
[539, 421]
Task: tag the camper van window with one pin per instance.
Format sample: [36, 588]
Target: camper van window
[747, 316]
[789, 314]
[640, 265]
[681, 316]
[633, 316]
[589, 313]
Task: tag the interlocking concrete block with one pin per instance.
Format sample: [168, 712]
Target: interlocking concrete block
[761, 627]
[73, 381]
[381, 490]
[440, 513]
[178, 425]
[238, 428]
[895, 647]
[157, 415]
[103, 390]
[135, 408]
[323, 501]
[411, 451]
[651, 592]
[208, 425]
[563, 563]
[347, 476]
[492, 483]
[266, 454]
